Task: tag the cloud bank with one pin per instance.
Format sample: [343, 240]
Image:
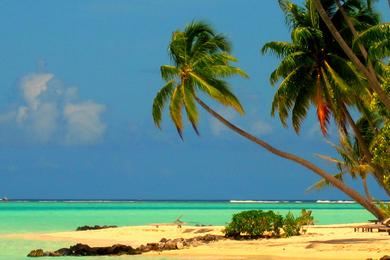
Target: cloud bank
[52, 112]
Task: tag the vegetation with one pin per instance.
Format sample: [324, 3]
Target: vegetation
[201, 61]
[257, 223]
[337, 60]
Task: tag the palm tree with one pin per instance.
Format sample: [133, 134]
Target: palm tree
[312, 74]
[200, 63]
[371, 76]
[376, 40]
[351, 163]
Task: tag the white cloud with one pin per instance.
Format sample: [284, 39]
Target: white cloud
[83, 122]
[47, 104]
[44, 121]
[33, 85]
[260, 127]
[22, 114]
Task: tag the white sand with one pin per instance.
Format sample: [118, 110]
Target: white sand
[320, 242]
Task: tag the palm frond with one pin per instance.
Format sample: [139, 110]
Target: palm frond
[323, 183]
[160, 101]
[224, 71]
[288, 64]
[190, 106]
[226, 98]
[175, 109]
[285, 95]
[301, 106]
[279, 49]
[169, 72]
[376, 39]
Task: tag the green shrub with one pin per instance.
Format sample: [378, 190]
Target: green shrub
[291, 225]
[254, 223]
[306, 218]
[258, 223]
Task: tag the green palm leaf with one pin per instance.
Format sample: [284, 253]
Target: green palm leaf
[159, 102]
[175, 109]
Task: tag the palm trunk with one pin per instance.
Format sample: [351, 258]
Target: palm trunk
[378, 172]
[330, 178]
[371, 77]
[351, 27]
[368, 195]
[355, 35]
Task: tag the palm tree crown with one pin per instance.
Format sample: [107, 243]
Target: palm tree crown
[310, 72]
[201, 61]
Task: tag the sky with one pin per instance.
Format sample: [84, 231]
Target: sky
[77, 81]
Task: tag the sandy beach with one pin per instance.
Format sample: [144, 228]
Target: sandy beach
[319, 242]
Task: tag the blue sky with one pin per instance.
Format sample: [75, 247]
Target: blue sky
[77, 83]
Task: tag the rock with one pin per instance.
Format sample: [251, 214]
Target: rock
[143, 249]
[85, 250]
[153, 246]
[36, 253]
[163, 240]
[121, 250]
[385, 257]
[169, 245]
[179, 245]
[209, 238]
[118, 249]
[96, 227]
[64, 251]
[52, 254]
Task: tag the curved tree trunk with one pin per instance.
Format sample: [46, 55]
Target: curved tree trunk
[334, 181]
[355, 35]
[352, 28]
[368, 195]
[371, 77]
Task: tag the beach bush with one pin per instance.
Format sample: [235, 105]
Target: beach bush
[254, 224]
[291, 225]
[306, 218]
[257, 223]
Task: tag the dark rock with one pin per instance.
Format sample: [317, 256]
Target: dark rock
[64, 251]
[81, 249]
[209, 238]
[169, 245]
[36, 253]
[52, 254]
[163, 240]
[143, 249]
[96, 227]
[385, 257]
[119, 250]
[85, 250]
[164, 244]
[153, 246]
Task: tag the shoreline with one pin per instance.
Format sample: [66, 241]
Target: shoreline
[320, 242]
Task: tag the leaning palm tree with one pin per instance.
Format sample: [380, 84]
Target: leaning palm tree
[309, 73]
[201, 62]
[371, 76]
[312, 72]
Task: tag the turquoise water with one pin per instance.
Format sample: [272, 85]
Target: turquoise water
[19, 217]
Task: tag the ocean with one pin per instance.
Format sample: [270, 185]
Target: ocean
[52, 216]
